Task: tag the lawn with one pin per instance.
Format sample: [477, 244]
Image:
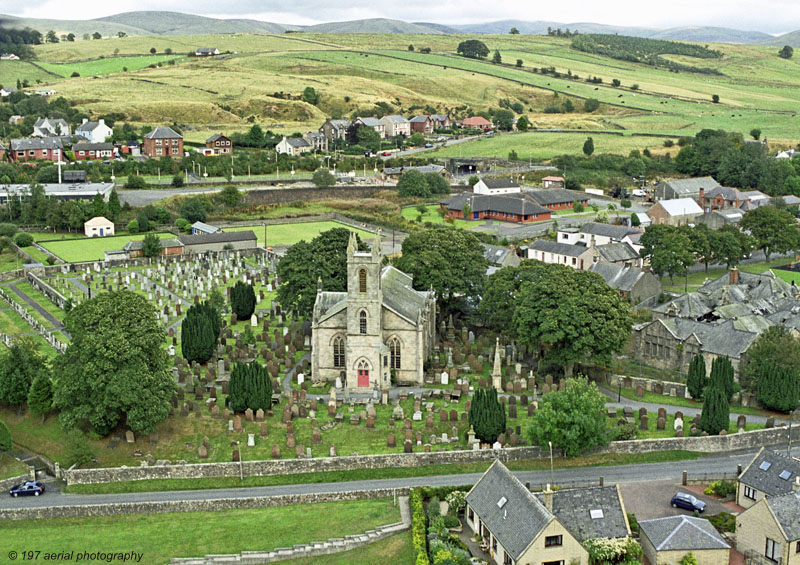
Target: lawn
[289, 234]
[12, 323]
[395, 549]
[9, 262]
[41, 299]
[685, 402]
[108, 65]
[195, 534]
[11, 467]
[696, 280]
[91, 249]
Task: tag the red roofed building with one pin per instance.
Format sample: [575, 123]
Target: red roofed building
[476, 122]
[553, 182]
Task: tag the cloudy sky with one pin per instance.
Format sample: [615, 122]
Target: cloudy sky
[771, 16]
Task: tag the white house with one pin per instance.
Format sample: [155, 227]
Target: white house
[8, 91]
[206, 51]
[601, 234]
[293, 146]
[47, 127]
[98, 227]
[94, 132]
[9, 57]
[496, 186]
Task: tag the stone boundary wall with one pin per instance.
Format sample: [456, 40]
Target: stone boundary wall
[12, 275]
[709, 444]
[48, 291]
[6, 484]
[35, 325]
[162, 507]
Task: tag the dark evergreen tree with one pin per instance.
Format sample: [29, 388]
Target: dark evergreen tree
[778, 388]
[5, 437]
[40, 397]
[722, 376]
[716, 410]
[697, 379]
[243, 300]
[199, 332]
[250, 387]
[487, 416]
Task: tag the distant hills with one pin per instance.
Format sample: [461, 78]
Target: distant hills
[176, 23]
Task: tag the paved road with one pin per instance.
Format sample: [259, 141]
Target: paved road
[707, 465]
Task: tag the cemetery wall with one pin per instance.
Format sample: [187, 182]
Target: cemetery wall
[12, 275]
[709, 444]
[52, 294]
[166, 506]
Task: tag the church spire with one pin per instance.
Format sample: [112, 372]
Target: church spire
[352, 245]
[376, 244]
[497, 375]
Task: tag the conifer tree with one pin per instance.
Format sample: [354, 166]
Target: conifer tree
[778, 388]
[697, 380]
[249, 387]
[40, 397]
[722, 376]
[716, 410]
[5, 437]
[199, 332]
[243, 300]
[487, 416]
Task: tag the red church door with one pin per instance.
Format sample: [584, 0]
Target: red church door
[363, 377]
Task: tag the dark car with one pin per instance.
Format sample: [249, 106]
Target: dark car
[428, 145]
[687, 502]
[29, 488]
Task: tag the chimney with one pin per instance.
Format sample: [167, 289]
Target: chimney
[733, 276]
[84, 120]
[548, 498]
[702, 192]
[101, 121]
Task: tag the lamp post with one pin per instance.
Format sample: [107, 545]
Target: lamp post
[265, 234]
[789, 443]
[552, 480]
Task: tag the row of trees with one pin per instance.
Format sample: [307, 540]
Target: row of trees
[422, 185]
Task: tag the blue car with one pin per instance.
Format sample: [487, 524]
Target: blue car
[29, 488]
[687, 502]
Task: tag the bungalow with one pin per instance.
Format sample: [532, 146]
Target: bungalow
[45, 92]
[46, 127]
[201, 228]
[46, 148]
[169, 246]
[667, 540]
[98, 227]
[769, 474]
[7, 91]
[373, 123]
[94, 132]
[476, 122]
[15, 119]
[771, 529]
[632, 283]
[218, 144]
[91, 151]
[85, 191]
[576, 256]
[396, 125]
[496, 186]
[293, 146]
[219, 241]
[206, 51]
[683, 188]
[553, 182]
[558, 198]
[518, 208]
[679, 212]
[163, 141]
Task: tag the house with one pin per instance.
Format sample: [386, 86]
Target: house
[98, 227]
[94, 132]
[334, 130]
[396, 125]
[769, 474]
[788, 154]
[293, 146]
[621, 253]
[91, 151]
[8, 91]
[716, 219]
[131, 147]
[134, 249]
[769, 531]
[496, 186]
[15, 119]
[162, 141]
[553, 182]
[29, 149]
[394, 173]
[632, 283]
[201, 228]
[518, 208]
[219, 144]
[46, 127]
[380, 331]
[45, 92]
[578, 257]
[218, 241]
[206, 51]
[499, 257]
[589, 513]
[317, 141]
[601, 234]
[724, 197]
[667, 540]
[8, 57]
[678, 212]
[84, 191]
[440, 121]
[421, 124]
[558, 198]
[373, 123]
[790, 200]
[476, 122]
[683, 188]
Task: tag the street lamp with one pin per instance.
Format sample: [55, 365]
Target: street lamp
[552, 480]
[789, 444]
[265, 234]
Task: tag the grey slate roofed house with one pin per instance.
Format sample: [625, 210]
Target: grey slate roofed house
[612, 231]
[163, 132]
[786, 509]
[500, 183]
[28, 144]
[508, 203]
[557, 198]
[50, 127]
[628, 281]
[202, 227]
[619, 253]
[682, 533]
[769, 474]
[500, 256]
[589, 513]
[371, 122]
[684, 188]
[93, 147]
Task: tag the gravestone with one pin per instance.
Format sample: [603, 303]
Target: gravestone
[390, 441]
[679, 415]
[741, 422]
[251, 440]
[370, 423]
[454, 415]
[639, 391]
[237, 423]
[276, 452]
[129, 437]
[202, 452]
[248, 415]
[531, 409]
[290, 441]
[408, 447]
[643, 422]
[260, 415]
[770, 423]
[642, 412]
[332, 451]
[236, 456]
[512, 411]
[661, 423]
[429, 421]
[230, 425]
[662, 412]
[263, 429]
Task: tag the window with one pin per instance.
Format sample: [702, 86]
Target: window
[553, 562]
[596, 514]
[362, 322]
[771, 552]
[785, 475]
[507, 560]
[765, 465]
[553, 541]
[159, 151]
[338, 352]
[750, 493]
[174, 150]
[158, 142]
[798, 548]
[362, 281]
[394, 350]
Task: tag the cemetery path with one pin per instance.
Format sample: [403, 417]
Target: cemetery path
[671, 409]
[286, 383]
[57, 325]
[78, 283]
[706, 466]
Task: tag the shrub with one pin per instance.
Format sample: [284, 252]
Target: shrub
[625, 203]
[7, 230]
[721, 488]
[24, 240]
[75, 74]
[183, 224]
[78, 450]
[418, 527]
[323, 178]
[5, 437]
[668, 143]
[133, 226]
[591, 105]
[250, 387]
[177, 180]
[688, 559]
[623, 432]
[135, 181]
[633, 523]
[578, 208]
[457, 500]
[724, 522]
[243, 300]
[451, 521]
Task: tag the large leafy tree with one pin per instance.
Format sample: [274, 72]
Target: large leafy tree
[413, 183]
[323, 258]
[448, 260]
[571, 418]
[775, 346]
[774, 230]
[19, 366]
[243, 300]
[668, 248]
[473, 48]
[115, 370]
[499, 298]
[571, 316]
[697, 380]
[487, 416]
[250, 387]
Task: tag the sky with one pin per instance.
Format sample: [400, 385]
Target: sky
[770, 16]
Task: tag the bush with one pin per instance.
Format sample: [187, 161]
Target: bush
[7, 230]
[419, 526]
[668, 143]
[133, 226]
[135, 181]
[578, 208]
[183, 224]
[724, 522]
[24, 240]
[623, 432]
[456, 500]
[323, 178]
[75, 74]
[78, 450]
[591, 105]
[633, 523]
[721, 488]
[177, 180]
[451, 521]
[625, 203]
[5, 437]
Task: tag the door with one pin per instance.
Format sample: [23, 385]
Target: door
[101, 232]
[363, 377]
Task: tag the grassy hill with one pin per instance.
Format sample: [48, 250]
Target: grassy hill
[176, 23]
[792, 38]
[376, 25]
[78, 27]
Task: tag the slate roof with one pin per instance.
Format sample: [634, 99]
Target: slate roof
[768, 480]
[572, 507]
[787, 511]
[682, 533]
[297, 142]
[721, 339]
[617, 252]
[500, 183]
[163, 132]
[517, 523]
[139, 244]
[371, 122]
[93, 147]
[419, 119]
[518, 203]
[495, 253]
[339, 124]
[691, 186]
[215, 137]
[204, 227]
[396, 119]
[27, 143]
[558, 248]
[617, 277]
[791, 200]
[218, 237]
[727, 192]
[608, 230]
[552, 196]
[87, 126]
[50, 123]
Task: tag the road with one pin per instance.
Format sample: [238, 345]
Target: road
[706, 465]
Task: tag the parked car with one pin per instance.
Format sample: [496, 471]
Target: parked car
[428, 145]
[28, 488]
[687, 502]
[387, 153]
[639, 192]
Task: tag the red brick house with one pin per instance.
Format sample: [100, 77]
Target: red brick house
[43, 149]
[163, 141]
[219, 145]
[92, 151]
[517, 208]
[476, 122]
[427, 123]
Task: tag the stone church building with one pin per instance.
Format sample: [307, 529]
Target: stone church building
[380, 327]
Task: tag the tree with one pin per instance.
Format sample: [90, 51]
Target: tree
[497, 58]
[177, 180]
[135, 181]
[416, 139]
[519, 63]
[668, 249]
[231, 196]
[40, 397]
[466, 210]
[774, 230]
[23, 240]
[615, 82]
[96, 35]
[504, 120]
[696, 380]
[715, 98]
[51, 37]
[70, 37]
[113, 207]
[523, 124]
[755, 133]
[715, 416]
[588, 146]
[513, 31]
[591, 105]
[572, 419]
[413, 183]
[570, 316]
[77, 449]
[199, 332]
[19, 366]
[243, 300]
[776, 346]
[722, 376]
[410, 47]
[473, 49]
[310, 95]
[786, 52]
[115, 369]
[778, 388]
[323, 178]
[437, 184]
[151, 245]
[133, 226]
[193, 210]
[152, 50]
[635, 221]
[168, 50]
[250, 387]
[448, 260]
[487, 416]
[5, 437]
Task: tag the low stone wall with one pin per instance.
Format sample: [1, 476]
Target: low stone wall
[649, 385]
[48, 291]
[6, 484]
[33, 323]
[162, 507]
[12, 275]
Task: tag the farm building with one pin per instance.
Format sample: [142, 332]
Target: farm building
[98, 227]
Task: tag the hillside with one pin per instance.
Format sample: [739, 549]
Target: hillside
[78, 27]
[792, 38]
[177, 23]
[377, 25]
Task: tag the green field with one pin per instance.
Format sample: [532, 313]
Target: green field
[91, 249]
[289, 234]
[107, 66]
[195, 534]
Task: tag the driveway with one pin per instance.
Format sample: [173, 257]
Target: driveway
[650, 499]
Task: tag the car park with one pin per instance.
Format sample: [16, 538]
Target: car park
[28, 488]
[687, 502]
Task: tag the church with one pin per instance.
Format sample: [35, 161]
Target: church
[381, 331]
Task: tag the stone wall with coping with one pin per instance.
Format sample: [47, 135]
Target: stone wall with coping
[6, 484]
[48, 291]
